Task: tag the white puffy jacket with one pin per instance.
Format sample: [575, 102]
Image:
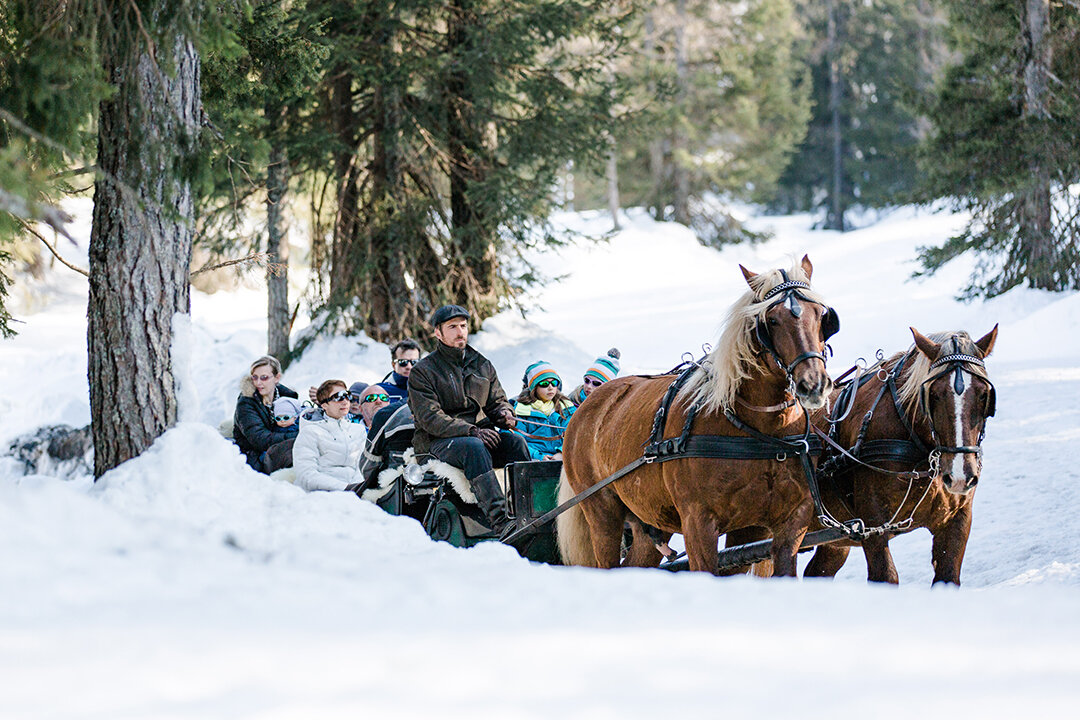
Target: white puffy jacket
[327, 452]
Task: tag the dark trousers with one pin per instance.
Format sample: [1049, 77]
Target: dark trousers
[469, 453]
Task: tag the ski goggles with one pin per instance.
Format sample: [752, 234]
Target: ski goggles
[548, 383]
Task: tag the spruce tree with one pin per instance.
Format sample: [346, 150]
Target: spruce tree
[869, 62]
[1006, 144]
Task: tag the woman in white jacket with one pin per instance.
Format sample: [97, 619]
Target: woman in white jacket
[327, 452]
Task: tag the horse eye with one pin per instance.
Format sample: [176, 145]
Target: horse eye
[773, 322]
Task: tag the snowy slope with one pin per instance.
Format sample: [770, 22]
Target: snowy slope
[185, 585]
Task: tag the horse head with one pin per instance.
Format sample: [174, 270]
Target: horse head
[792, 326]
[956, 397]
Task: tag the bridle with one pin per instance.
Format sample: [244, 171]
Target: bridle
[788, 293]
[956, 362]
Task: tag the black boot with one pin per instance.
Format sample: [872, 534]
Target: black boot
[492, 502]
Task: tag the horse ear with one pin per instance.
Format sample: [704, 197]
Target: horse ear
[986, 342]
[807, 266]
[748, 275]
[926, 346]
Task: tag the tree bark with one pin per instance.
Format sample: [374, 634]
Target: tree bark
[834, 219]
[656, 145]
[613, 185]
[1036, 222]
[344, 253]
[679, 148]
[278, 318]
[474, 277]
[140, 242]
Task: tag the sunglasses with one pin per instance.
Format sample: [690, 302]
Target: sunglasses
[402, 362]
[592, 381]
[337, 397]
[283, 418]
[261, 378]
[548, 383]
[381, 397]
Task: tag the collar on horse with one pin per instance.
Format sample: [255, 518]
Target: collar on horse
[788, 293]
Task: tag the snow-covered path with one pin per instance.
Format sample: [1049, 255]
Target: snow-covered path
[184, 585]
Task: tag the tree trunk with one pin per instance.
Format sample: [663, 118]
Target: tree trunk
[278, 318]
[656, 145]
[474, 277]
[834, 218]
[1036, 223]
[679, 148]
[344, 254]
[613, 185]
[140, 243]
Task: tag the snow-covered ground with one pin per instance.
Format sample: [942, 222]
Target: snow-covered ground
[185, 585]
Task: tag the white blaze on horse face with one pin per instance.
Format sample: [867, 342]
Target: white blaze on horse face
[957, 467]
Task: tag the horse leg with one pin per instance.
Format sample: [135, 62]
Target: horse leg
[606, 516]
[643, 551]
[700, 532]
[827, 561]
[950, 542]
[879, 562]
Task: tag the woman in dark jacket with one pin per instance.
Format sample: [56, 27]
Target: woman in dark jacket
[254, 429]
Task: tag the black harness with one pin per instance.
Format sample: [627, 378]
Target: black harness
[758, 446]
[910, 452]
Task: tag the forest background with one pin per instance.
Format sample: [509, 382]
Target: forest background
[422, 145]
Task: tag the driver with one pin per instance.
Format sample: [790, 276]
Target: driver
[448, 389]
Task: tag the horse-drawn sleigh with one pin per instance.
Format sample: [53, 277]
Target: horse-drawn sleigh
[754, 442]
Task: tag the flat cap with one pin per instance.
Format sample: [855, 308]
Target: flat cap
[448, 312]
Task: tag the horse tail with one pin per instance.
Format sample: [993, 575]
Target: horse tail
[572, 530]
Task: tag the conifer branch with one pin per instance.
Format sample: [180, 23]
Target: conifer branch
[30, 229]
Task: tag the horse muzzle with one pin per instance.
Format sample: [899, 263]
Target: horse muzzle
[813, 390]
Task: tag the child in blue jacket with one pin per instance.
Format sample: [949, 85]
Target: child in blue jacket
[542, 411]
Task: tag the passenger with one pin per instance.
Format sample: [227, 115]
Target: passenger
[448, 389]
[542, 411]
[356, 394]
[327, 452]
[604, 369]
[254, 428]
[403, 357]
[287, 413]
[372, 400]
[391, 431]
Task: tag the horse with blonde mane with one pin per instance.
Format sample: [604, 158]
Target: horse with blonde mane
[767, 370]
[920, 417]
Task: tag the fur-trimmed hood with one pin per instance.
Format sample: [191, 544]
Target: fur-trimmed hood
[247, 389]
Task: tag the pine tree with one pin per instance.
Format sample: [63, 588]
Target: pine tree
[1006, 144]
[714, 103]
[452, 119]
[869, 61]
[259, 95]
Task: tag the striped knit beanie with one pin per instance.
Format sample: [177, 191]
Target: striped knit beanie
[538, 371]
[605, 368]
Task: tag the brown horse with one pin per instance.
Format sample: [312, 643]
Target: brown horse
[928, 409]
[767, 366]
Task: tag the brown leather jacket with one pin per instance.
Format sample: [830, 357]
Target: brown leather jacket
[448, 390]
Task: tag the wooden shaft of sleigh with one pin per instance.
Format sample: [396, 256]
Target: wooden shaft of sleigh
[733, 557]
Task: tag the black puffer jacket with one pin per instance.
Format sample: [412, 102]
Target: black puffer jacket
[254, 429]
[448, 389]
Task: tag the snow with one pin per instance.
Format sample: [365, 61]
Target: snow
[185, 585]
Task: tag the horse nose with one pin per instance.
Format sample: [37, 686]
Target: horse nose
[972, 481]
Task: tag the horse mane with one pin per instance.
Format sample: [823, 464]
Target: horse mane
[715, 384]
[917, 370]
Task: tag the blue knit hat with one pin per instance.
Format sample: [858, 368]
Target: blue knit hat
[538, 371]
[605, 368]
